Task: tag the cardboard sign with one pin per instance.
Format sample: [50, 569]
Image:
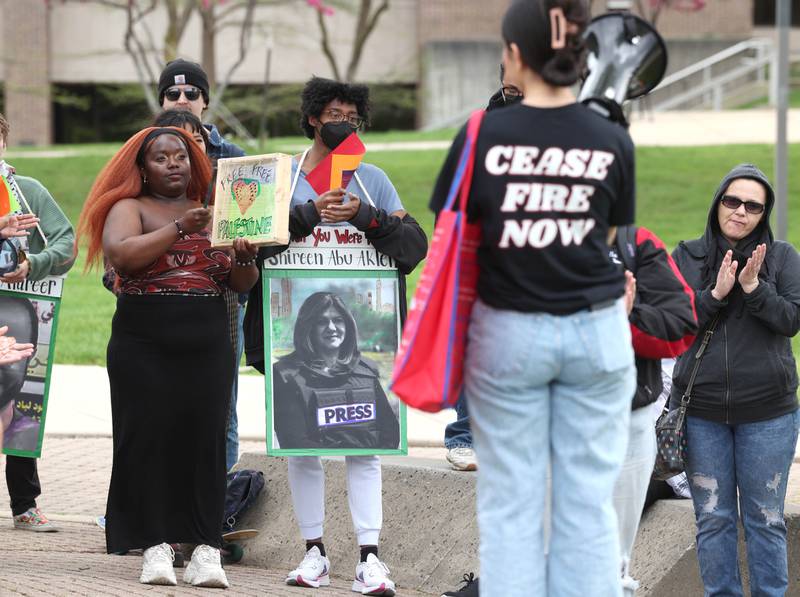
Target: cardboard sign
[252, 200]
[331, 331]
[332, 247]
[338, 167]
[30, 310]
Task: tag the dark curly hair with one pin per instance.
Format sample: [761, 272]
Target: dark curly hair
[527, 24]
[180, 118]
[319, 92]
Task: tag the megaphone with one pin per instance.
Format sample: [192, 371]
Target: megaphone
[626, 59]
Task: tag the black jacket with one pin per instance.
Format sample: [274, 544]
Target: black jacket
[748, 371]
[343, 409]
[402, 239]
[663, 319]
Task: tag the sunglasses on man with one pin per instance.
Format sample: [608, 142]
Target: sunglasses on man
[173, 94]
[751, 207]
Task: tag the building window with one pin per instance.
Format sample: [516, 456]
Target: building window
[764, 13]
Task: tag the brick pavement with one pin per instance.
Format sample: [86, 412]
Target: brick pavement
[74, 473]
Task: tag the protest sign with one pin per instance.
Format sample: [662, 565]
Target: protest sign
[252, 200]
[30, 310]
[337, 168]
[331, 331]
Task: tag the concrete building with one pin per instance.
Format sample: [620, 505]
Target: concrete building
[450, 49]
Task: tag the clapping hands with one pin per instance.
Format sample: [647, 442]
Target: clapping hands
[748, 277]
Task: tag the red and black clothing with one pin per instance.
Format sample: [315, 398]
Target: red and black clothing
[170, 368]
[663, 319]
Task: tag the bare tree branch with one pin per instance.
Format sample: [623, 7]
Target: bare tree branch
[138, 54]
[179, 12]
[325, 45]
[364, 27]
[244, 43]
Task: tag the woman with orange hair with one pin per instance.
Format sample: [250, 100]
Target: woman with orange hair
[169, 356]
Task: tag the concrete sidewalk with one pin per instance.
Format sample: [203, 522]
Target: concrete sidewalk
[75, 472]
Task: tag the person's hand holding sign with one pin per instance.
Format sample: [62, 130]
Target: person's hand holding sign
[245, 250]
[195, 220]
[341, 211]
[327, 199]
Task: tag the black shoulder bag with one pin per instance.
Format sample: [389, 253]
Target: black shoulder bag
[671, 425]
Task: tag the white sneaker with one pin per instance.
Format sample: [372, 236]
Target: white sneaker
[312, 572]
[372, 578]
[205, 569]
[157, 566]
[462, 458]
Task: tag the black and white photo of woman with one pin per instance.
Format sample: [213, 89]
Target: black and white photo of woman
[326, 394]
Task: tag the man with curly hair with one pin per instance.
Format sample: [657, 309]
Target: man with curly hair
[331, 112]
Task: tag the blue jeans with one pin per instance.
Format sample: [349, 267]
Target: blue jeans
[458, 433]
[232, 444]
[755, 459]
[549, 390]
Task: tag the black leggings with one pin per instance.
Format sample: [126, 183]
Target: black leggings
[22, 479]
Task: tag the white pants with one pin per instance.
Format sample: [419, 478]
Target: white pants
[630, 490]
[364, 487]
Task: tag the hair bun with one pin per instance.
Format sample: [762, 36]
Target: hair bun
[564, 68]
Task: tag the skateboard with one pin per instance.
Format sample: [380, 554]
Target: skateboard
[232, 551]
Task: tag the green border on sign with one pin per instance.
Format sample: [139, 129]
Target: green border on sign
[267, 277]
[53, 329]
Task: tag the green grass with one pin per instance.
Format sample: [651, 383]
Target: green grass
[674, 189]
[794, 101]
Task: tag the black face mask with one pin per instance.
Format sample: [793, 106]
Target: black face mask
[333, 133]
[498, 100]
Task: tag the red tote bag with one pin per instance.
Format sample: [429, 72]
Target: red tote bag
[429, 367]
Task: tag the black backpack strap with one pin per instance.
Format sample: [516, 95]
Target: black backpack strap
[626, 247]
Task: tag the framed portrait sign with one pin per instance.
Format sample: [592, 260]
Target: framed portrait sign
[331, 331]
[252, 200]
[30, 310]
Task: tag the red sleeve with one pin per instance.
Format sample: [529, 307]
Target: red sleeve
[663, 319]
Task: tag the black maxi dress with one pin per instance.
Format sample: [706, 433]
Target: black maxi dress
[170, 367]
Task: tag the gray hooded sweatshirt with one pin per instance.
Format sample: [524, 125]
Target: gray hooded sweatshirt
[748, 371]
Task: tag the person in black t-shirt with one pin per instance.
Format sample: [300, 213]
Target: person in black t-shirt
[549, 371]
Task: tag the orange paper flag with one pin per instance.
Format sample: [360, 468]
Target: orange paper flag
[8, 201]
[338, 167]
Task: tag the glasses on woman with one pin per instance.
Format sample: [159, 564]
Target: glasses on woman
[339, 116]
[751, 207]
[173, 94]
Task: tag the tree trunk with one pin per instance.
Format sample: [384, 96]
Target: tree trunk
[208, 45]
[365, 25]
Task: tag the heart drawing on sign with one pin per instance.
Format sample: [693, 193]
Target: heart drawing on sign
[245, 191]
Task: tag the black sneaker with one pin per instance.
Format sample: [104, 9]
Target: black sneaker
[469, 589]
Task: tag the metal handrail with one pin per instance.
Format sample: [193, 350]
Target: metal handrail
[756, 43]
[714, 86]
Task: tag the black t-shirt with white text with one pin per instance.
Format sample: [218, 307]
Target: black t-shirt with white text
[547, 185]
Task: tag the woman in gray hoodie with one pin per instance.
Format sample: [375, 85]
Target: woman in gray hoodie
[743, 415]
